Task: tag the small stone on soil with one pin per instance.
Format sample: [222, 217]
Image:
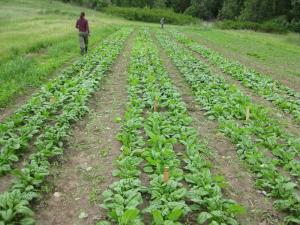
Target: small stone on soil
[83, 215]
[57, 194]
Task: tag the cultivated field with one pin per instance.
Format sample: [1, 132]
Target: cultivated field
[186, 125]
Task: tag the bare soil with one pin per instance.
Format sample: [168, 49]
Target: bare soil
[86, 172]
[5, 182]
[241, 185]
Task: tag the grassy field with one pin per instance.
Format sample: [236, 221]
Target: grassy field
[38, 37]
[273, 54]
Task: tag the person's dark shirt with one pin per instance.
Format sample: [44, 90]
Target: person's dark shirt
[83, 25]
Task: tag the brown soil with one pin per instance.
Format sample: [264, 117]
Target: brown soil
[86, 173]
[241, 186]
[290, 81]
[5, 182]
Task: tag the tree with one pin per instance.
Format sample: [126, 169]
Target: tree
[205, 9]
[159, 4]
[258, 10]
[231, 9]
[178, 5]
[295, 10]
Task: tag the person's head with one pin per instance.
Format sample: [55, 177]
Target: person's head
[82, 15]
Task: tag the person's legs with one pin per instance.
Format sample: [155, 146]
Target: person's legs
[82, 43]
[86, 42]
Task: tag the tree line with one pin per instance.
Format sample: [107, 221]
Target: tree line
[241, 10]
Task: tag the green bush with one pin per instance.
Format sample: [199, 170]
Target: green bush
[295, 26]
[268, 26]
[150, 15]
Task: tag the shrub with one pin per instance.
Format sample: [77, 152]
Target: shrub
[295, 26]
[150, 15]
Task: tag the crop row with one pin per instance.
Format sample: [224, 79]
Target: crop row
[15, 203]
[254, 137]
[267, 132]
[155, 125]
[43, 108]
[282, 96]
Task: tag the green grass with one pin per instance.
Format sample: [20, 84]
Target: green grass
[36, 38]
[275, 54]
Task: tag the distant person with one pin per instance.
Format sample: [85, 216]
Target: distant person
[83, 27]
[162, 23]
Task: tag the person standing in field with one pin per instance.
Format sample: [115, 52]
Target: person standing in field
[83, 27]
[162, 23]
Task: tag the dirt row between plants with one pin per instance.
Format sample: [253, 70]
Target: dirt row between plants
[241, 185]
[84, 172]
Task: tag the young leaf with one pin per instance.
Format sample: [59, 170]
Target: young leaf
[129, 216]
[157, 217]
[175, 214]
[203, 217]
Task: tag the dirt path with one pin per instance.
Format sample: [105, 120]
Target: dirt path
[225, 162]
[88, 161]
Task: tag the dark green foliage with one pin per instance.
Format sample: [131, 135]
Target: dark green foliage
[262, 15]
[231, 9]
[150, 15]
[258, 10]
[178, 5]
[295, 10]
[206, 9]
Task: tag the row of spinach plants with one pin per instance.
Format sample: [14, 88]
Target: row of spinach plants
[254, 138]
[15, 202]
[18, 131]
[282, 96]
[267, 132]
[155, 123]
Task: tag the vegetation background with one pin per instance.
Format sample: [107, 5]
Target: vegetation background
[38, 39]
[266, 15]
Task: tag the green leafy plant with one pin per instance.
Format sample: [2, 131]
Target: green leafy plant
[226, 104]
